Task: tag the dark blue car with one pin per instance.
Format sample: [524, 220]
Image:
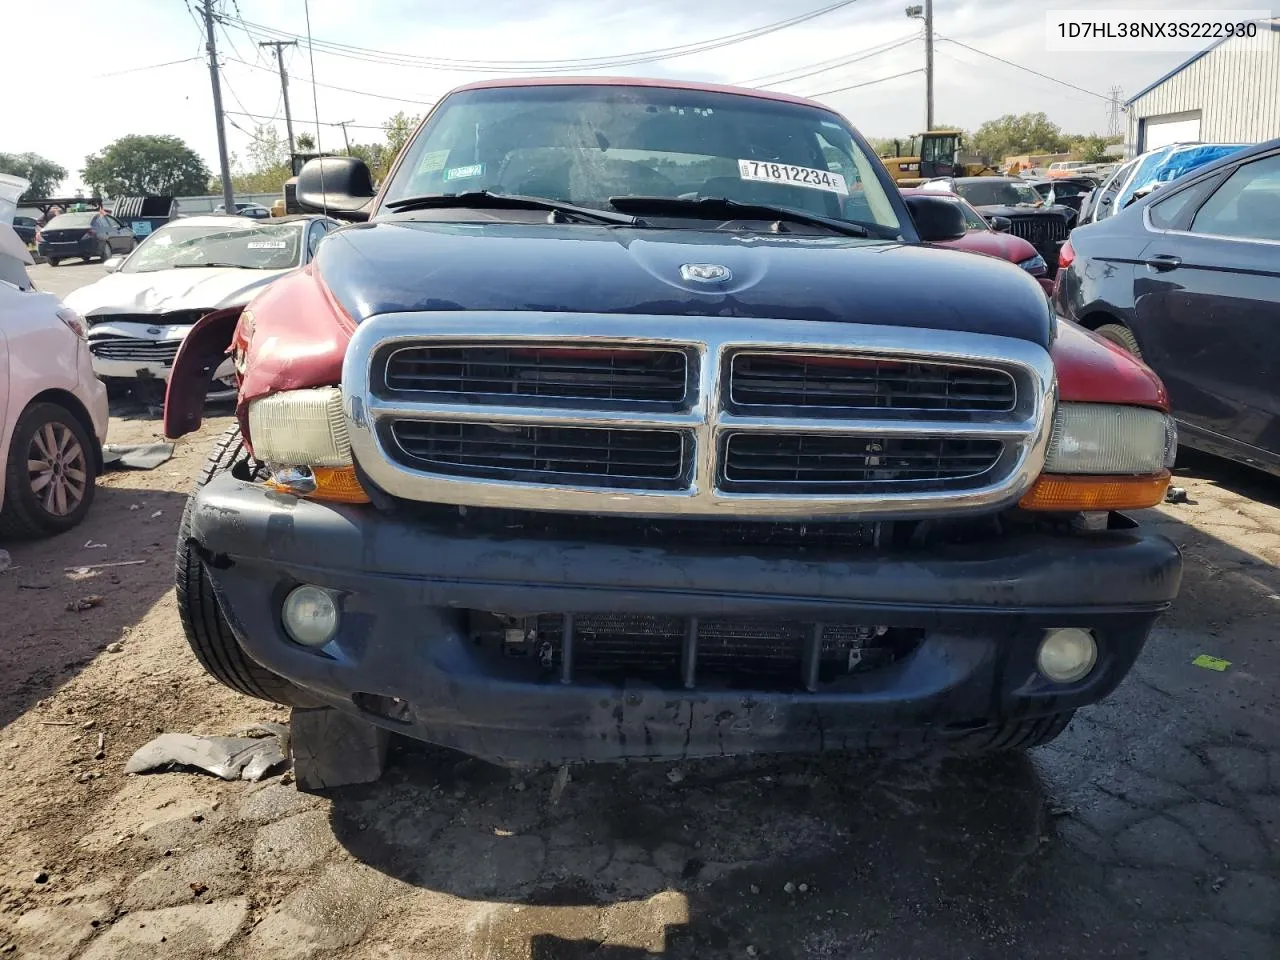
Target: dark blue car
[84, 236]
[1188, 279]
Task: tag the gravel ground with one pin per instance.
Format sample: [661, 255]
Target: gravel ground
[1151, 828]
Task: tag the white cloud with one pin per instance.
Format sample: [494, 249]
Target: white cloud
[68, 107]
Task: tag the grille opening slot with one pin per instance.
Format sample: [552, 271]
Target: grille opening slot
[601, 377]
[851, 463]
[738, 653]
[815, 383]
[543, 454]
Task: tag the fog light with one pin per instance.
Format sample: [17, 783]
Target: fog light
[1067, 654]
[310, 616]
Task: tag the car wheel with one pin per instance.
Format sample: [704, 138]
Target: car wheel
[208, 633]
[53, 262]
[105, 253]
[50, 474]
[1014, 736]
[1121, 336]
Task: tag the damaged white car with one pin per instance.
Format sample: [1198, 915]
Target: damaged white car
[139, 314]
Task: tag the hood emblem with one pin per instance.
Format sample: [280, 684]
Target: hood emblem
[154, 331]
[706, 272]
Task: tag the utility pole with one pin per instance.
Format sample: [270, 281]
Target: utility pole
[928, 64]
[284, 86]
[228, 196]
[345, 138]
[925, 13]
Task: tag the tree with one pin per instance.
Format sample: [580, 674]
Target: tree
[1017, 134]
[146, 164]
[267, 167]
[305, 142]
[398, 130]
[44, 174]
[1092, 147]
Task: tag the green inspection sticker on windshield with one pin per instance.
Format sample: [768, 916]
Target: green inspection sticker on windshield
[769, 172]
[468, 172]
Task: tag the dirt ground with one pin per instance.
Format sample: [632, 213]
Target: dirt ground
[1150, 829]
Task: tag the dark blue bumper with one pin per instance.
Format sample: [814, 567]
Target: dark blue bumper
[407, 589]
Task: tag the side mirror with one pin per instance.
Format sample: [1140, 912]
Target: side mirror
[339, 186]
[1000, 224]
[937, 219]
[112, 264]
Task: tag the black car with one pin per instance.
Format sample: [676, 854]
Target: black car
[1188, 279]
[1044, 227]
[83, 235]
[1064, 191]
[25, 228]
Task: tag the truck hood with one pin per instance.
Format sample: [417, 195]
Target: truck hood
[165, 291]
[402, 265]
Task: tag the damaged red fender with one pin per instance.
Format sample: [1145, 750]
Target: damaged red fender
[1094, 370]
[291, 336]
[200, 354]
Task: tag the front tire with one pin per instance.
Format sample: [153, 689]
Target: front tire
[207, 631]
[1015, 736]
[50, 474]
[1121, 336]
[104, 254]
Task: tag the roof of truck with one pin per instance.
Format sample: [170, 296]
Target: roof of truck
[638, 82]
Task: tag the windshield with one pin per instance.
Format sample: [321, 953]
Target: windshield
[70, 221]
[990, 192]
[973, 220]
[275, 246]
[584, 144]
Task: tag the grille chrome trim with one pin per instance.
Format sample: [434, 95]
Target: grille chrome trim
[1025, 429]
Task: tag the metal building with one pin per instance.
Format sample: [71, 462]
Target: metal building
[1227, 93]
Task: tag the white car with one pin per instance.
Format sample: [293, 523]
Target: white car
[53, 410]
[140, 312]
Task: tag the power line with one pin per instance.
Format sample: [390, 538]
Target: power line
[865, 83]
[548, 66]
[151, 66]
[331, 86]
[323, 123]
[1018, 66]
[826, 65]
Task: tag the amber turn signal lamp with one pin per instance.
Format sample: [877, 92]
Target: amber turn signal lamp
[332, 484]
[1065, 493]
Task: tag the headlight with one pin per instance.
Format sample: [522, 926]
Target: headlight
[1034, 265]
[302, 436]
[301, 428]
[1103, 438]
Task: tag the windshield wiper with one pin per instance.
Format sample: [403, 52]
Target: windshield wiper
[488, 200]
[213, 263]
[722, 208]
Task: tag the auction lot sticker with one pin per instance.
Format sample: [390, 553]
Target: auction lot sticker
[793, 176]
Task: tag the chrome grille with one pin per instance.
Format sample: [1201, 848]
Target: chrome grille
[1039, 230]
[776, 419]
[484, 374]
[841, 383]
[135, 351]
[544, 454]
[824, 463]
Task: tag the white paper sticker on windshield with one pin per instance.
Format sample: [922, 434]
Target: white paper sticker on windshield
[267, 245]
[793, 176]
[465, 173]
[433, 160]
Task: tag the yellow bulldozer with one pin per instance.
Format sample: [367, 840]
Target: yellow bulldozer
[936, 153]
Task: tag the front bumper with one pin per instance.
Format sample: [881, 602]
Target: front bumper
[405, 585]
[140, 351]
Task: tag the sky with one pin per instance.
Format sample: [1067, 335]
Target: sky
[107, 81]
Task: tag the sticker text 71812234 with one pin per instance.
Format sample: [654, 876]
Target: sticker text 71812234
[794, 176]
